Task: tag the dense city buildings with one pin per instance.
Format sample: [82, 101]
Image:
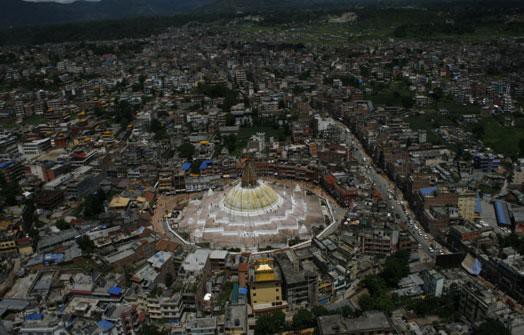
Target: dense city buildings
[256, 177]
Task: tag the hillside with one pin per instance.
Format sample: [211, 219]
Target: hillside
[17, 13]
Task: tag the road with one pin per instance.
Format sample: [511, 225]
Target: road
[395, 200]
[164, 205]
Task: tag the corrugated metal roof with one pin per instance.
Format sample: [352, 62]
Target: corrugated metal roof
[205, 164]
[186, 166]
[105, 325]
[428, 191]
[501, 212]
[478, 204]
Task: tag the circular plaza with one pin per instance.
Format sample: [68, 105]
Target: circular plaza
[252, 213]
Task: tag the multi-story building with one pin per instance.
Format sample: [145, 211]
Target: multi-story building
[35, 148]
[8, 146]
[475, 301]
[508, 274]
[155, 271]
[165, 181]
[164, 308]
[12, 170]
[236, 320]
[194, 272]
[265, 287]
[469, 206]
[433, 282]
[202, 326]
[299, 286]
[124, 317]
[486, 162]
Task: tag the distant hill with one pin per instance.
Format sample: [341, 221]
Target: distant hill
[17, 13]
[253, 6]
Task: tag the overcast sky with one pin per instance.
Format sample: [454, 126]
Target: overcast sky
[59, 1]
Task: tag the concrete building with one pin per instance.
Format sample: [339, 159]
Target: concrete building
[202, 326]
[265, 287]
[35, 148]
[168, 308]
[124, 317]
[155, 271]
[299, 286]
[433, 282]
[236, 318]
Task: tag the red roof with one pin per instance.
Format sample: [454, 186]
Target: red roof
[79, 154]
[330, 180]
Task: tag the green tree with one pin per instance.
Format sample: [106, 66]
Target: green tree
[375, 284]
[382, 302]
[437, 95]
[396, 267]
[186, 150]
[158, 129]
[155, 125]
[270, 324]
[124, 112]
[230, 119]
[492, 327]
[10, 190]
[149, 329]
[62, 224]
[478, 131]
[302, 319]
[512, 240]
[85, 244]
[521, 147]
[319, 311]
[347, 311]
[406, 101]
[94, 204]
[28, 216]
[230, 142]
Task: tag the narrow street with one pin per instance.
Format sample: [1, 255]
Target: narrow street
[394, 198]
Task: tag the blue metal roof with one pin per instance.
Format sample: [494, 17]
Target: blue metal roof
[478, 205]
[54, 258]
[472, 265]
[186, 166]
[427, 191]
[205, 164]
[501, 212]
[34, 316]
[5, 165]
[105, 325]
[115, 290]
[477, 266]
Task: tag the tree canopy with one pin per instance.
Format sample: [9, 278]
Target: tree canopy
[10, 190]
[85, 244]
[270, 324]
[302, 319]
[94, 204]
[186, 150]
[395, 268]
[492, 327]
